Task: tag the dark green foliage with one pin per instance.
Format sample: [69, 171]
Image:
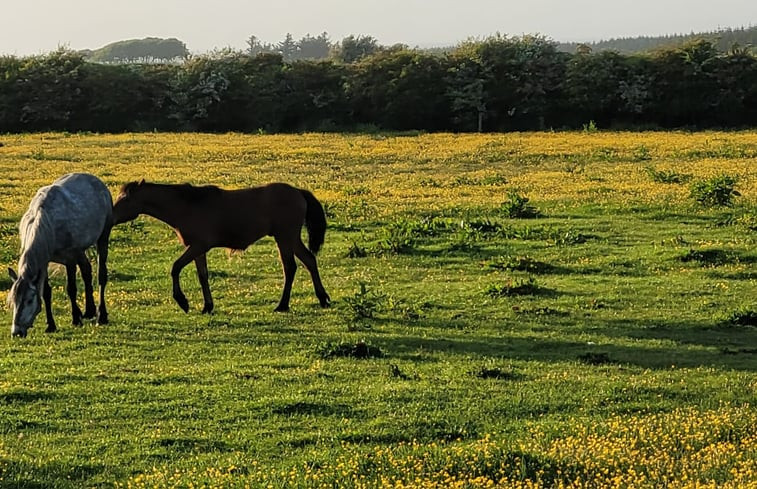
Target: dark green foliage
[497, 373]
[591, 358]
[663, 176]
[406, 310]
[353, 350]
[365, 303]
[567, 237]
[500, 83]
[395, 371]
[716, 191]
[540, 312]
[520, 263]
[517, 206]
[515, 287]
[742, 317]
[397, 238]
[356, 251]
[708, 257]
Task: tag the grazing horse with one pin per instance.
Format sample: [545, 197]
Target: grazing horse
[209, 217]
[63, 220]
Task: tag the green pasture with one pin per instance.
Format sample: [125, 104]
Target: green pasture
[451, 321]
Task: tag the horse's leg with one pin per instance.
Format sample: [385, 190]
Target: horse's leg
[308, 259]
[86, 275]
[47, 295]
[102, 273]
[189, 254]
[71, 289]
[201, 263]
[286, 254]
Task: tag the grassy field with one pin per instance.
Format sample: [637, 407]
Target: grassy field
[599, 334]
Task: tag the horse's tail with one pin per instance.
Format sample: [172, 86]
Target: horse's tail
[315, 221]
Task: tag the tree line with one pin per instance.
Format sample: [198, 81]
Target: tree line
[723, 39]
[497, 84]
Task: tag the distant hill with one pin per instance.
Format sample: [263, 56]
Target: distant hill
[148, 50]
[724, 40]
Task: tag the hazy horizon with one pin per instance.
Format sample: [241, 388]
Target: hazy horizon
[40, 26]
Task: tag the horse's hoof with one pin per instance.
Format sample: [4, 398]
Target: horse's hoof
[182, 302]
[51, 329]
[326, 301]
[281, 309]
[77, 322]
[89, 313]
[207, 310]
[102, 320]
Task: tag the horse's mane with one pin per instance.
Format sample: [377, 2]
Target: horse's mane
[128, 187]
[37, 235]
[185, 191]
[193, 194]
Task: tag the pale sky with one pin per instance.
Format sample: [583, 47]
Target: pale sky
[37, 26]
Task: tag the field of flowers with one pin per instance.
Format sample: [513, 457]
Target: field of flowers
[533, 310]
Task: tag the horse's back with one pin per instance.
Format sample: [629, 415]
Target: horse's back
[78, 206]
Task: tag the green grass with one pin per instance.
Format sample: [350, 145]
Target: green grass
[620, 324]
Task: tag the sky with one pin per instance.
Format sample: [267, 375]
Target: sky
[38, 26]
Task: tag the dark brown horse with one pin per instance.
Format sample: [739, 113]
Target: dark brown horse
[210, 217]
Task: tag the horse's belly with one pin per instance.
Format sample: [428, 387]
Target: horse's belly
[65, 256]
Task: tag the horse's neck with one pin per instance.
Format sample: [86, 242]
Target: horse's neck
[164, 209]
[38, 248]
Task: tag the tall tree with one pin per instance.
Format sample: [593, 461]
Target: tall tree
[255, 46]
[288, 48]
[353, 48]
[314, 48]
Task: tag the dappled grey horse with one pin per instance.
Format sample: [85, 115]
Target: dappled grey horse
[63, 220]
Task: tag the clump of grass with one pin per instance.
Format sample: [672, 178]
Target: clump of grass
[356, 251]
[396, 372]
[514, 287]
[352, 350]
[717, 191]
[483, 226]
[517, 206]
[567, 237]
[397, 238]
[741, 317]
[707, 257]
[429, 183]
[356, 190]
[540, 311]
[595, 358]
[466, 239]
[641, 153]
[365, 303]
[746, 219]
[493, 180]
[668, 177]
[407, 310]
[498, 373]
[523, 263]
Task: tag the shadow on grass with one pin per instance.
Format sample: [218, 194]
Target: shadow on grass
[26, 475]
[23, 397]
[731, 348]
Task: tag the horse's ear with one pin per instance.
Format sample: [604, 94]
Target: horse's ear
[141, 182]
[12, 274]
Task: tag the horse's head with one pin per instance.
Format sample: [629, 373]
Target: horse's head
[25, 299]
[128, 203]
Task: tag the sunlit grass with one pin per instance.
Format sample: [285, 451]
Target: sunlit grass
[624, 364]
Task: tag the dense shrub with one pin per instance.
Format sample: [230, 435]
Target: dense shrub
[496, 84]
